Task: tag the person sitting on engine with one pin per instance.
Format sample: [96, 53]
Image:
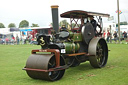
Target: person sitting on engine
[63, 28]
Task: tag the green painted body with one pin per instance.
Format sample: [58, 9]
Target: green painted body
[71, 47]
[71, 34]
[76, 37]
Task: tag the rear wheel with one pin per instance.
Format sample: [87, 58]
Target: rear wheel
[98, 48]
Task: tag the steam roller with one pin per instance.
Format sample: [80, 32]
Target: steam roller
[65, 48]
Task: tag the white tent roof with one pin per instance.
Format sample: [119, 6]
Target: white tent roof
[5, 31]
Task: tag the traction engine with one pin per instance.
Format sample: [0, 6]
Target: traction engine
[67, 48]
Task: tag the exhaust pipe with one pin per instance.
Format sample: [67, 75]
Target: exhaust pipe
[55, 19]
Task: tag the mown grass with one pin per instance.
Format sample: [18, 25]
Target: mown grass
[13, 59]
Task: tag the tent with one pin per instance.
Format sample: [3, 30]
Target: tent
[25, 30]
[14, 29]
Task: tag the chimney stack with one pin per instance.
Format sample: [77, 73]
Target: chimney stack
[55, 19]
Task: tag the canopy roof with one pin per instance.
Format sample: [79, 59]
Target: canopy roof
[83, 14]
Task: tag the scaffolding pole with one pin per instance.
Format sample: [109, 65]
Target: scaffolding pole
[118, 19]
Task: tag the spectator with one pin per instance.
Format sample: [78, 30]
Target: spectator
[125, 35]
[29, 38]
[108, 36]
[6, 39]
[13, 40]
[0, 41]
[17, 40]
[23, 39]
[121, 36]
[104, 33]
[115, 36]
[32, 40]
[127, 39]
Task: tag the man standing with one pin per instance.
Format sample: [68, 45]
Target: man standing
[125, 35]
[104, 33]
[17, 40]
[94, 23]
[115, 36]
[108, 36]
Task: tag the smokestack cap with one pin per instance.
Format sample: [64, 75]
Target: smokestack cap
[54, 6]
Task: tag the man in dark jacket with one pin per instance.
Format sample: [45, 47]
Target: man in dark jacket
[94, 23]
[115, 36]
[125, 35]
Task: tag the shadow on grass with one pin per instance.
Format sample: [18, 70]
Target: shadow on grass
[83, 68]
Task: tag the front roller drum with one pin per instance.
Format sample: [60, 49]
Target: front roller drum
[98, 47]
[44, 62]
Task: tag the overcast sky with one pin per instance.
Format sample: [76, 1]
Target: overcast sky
[39, 11]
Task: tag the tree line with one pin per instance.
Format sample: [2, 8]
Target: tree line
[22, 24]
[25, 23]
[122, 23]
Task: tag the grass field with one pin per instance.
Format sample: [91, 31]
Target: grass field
[13, 59]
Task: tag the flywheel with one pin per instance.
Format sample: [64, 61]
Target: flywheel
[87, 32]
